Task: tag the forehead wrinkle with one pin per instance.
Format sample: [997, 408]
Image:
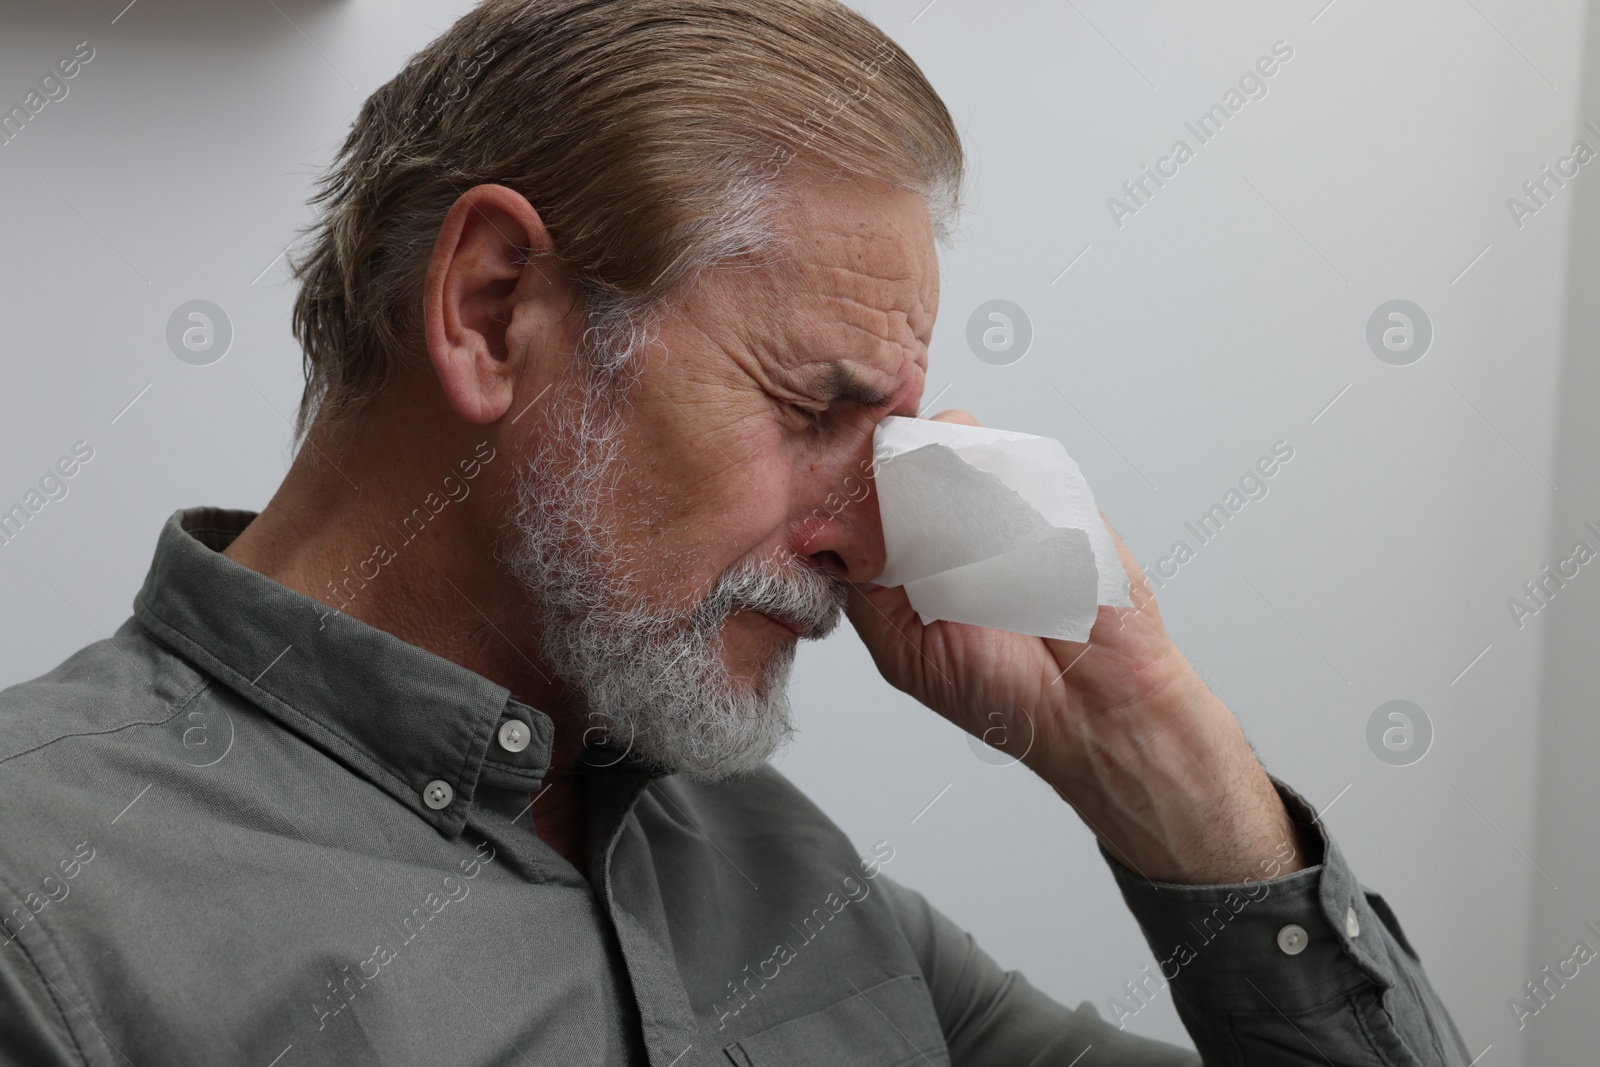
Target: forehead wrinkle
[849, 287]
[875, 342]
[882, 288]
[890, 253]
[853, 312]
[840, 215]
[893, 321]
[926, 255]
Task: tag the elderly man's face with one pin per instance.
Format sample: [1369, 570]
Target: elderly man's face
[673, 547]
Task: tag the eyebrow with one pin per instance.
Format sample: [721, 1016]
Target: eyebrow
[839, 382]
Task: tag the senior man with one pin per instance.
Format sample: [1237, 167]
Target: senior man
[456, 753]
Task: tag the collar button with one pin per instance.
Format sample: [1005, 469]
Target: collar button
[1292, 939]
[438, 794]
[514, 735]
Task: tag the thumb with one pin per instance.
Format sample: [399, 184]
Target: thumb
[957, 416]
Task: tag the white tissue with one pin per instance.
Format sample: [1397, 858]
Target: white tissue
[994, 528]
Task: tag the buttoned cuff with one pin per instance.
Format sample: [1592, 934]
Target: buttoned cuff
[1295, 941]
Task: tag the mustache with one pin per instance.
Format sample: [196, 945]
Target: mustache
[787, 589]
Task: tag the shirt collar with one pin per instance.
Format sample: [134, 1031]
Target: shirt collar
[398, 715]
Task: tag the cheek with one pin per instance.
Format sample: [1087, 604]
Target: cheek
[698, 502]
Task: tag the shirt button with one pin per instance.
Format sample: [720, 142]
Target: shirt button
[1292, 939]
[438, 794]
[514, 735]
[1352, 925]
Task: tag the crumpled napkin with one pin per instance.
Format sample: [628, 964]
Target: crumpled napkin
[994, 528]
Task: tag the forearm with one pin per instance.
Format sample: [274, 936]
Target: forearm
[1169, 784]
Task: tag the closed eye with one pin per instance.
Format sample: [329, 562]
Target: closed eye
[810, 416]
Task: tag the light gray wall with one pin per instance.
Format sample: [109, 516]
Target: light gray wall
[1569, 728]
[1226, 315]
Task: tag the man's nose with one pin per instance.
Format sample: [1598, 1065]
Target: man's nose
[840, 531]
[844, 535]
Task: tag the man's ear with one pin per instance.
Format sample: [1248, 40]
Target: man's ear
[493, 256]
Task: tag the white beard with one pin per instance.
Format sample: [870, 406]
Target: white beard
[652, 672]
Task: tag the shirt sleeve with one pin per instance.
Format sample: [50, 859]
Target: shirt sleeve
[996, 1018]
[1304, 969]
[1308, 968]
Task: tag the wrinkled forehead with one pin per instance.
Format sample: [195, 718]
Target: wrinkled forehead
[869, 240]
[856, 279]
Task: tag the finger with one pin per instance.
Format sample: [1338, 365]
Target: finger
[866, 611]
[957, 416]
[882, 617]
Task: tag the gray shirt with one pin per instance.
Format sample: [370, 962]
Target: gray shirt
[246, 830]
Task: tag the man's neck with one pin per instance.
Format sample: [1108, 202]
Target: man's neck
[561, 819]
[437, 586]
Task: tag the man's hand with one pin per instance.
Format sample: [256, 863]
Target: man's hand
[1121, 727]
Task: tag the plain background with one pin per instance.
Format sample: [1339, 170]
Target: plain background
[1227, 315]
